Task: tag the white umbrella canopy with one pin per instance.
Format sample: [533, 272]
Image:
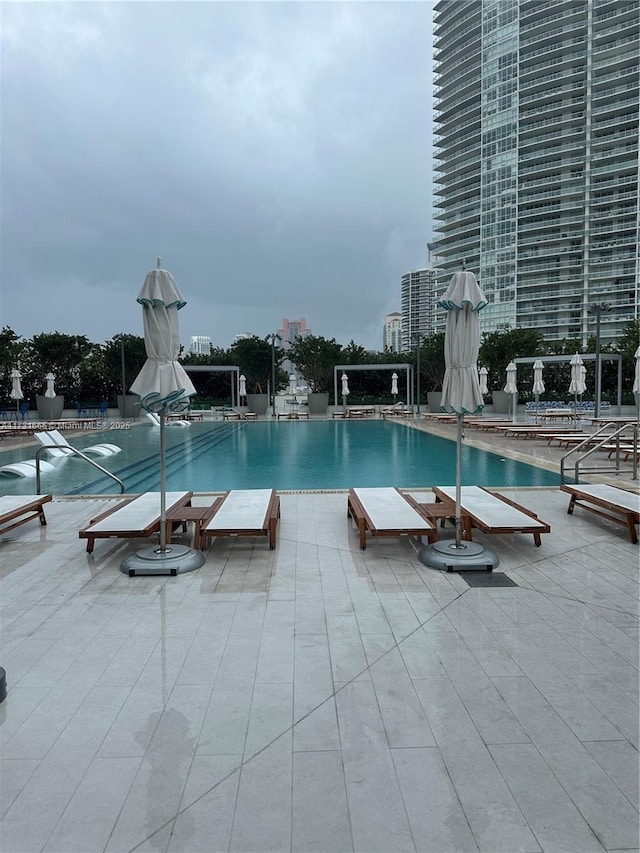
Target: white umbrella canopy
[577, 385]
[636, 381]
[50, 392]
[163, 382]
[511, 387]
[16, 388]
[345, 384]
[538, 383]
[482, 380]
[394, 384]
[463, 299]
[292, 383]
[242, 386]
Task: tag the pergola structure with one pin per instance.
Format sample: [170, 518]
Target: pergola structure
[220, 368]
[585, 357]
[408, 368]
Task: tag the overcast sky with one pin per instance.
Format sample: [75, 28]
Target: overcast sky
[277, 156]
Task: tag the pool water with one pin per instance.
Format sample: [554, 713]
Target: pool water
[297, 455]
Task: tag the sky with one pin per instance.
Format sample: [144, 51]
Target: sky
[276, 156]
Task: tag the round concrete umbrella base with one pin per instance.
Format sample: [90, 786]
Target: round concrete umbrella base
[174, 560]
[466, 557]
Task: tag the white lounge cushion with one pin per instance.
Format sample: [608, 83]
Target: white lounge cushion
[26, 468]
[136, 514]
[388, 510]
[243, 509]
[489, 509]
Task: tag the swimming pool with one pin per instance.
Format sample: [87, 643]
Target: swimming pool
[304, 455]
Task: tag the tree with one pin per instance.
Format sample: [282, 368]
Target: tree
[254, 358]
[57, 353]
[432, 365]
[109, 385]
[499, 348]
[10, 349]
[315, 357]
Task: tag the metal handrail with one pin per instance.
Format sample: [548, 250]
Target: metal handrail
[589, 447]
[77, 453]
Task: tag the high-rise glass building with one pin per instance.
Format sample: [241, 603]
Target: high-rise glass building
[536, 110]
[418, 305]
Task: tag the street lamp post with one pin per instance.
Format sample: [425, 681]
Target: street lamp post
[272, 338]
[597, 308]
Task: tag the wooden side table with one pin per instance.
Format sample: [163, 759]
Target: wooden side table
[198, 515]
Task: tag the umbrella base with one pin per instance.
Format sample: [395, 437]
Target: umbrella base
[174, 560]
[467, 557]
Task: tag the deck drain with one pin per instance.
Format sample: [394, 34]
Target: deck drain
[487, 579]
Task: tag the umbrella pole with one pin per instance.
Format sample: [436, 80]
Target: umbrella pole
[459, 483]
[163, 487]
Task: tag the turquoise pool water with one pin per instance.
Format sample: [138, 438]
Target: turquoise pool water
[284, 455]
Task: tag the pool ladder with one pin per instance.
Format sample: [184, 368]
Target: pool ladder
[77, 453]
[596, 441]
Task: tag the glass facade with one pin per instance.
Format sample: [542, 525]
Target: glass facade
[537, 159]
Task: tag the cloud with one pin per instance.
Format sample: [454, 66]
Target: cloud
[276, 155]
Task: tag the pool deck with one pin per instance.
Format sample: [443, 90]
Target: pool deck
[318, 697]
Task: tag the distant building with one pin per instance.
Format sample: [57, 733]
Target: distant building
[243, 336]
[418, 304]
[200, 345]
[392, 332]
[292, 329]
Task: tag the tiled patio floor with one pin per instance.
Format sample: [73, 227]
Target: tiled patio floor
[320, 698]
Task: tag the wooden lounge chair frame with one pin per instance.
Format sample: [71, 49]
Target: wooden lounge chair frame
[470, 519]
[91, 533]
[20, 510]
[357, 510]
[608, 502]
[267, 527]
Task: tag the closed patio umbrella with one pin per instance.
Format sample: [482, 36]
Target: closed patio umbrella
[577, 386]
[242, 386]
[16, 389]
[511, 387]
[538, 384]
[463, 300]
[50, 392]
[345, 390]
[394, 386]
[482, 380]
[162, 385]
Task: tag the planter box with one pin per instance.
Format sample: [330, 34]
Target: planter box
[434, 399]
[50, 408]
[502, 402]
[318, 403]
[257, 403]
[128, 405]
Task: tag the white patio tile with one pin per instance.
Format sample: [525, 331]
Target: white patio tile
[550, 812]
[320, 810]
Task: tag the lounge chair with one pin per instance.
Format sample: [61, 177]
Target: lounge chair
[388, 512]
[243, 512]
[21, 508]
[491, 512]
[133, 518]
[26, 468]
[609, 502]
[64, 448]
[155, 419]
